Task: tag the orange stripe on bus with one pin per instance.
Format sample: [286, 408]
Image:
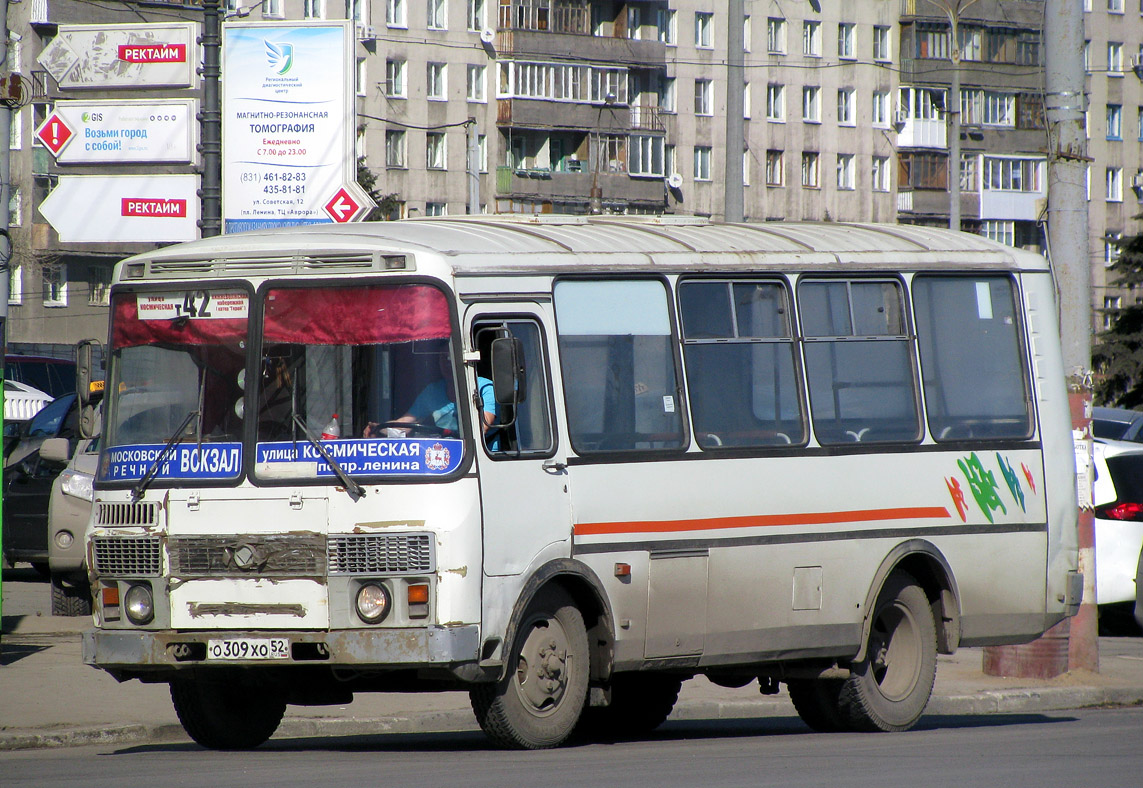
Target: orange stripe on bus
[762, 521]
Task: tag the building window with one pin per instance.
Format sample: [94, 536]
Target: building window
[435, 150]
[1111, 247]
[776, 36]
[1001, 231]
[361, 76]
[435, 82]
[704, 21]
[313, 9]
[702, 97]
[1111, 305]
[436, 17]
[702, 162]
[812, 38]
[845, 40]
[436, 209]
[15, 284]
[999, 109]
[15, 207]
[923, 171]
[881, 108]
[746, 101]
[880, 173]
[1115, 121]
[775, 168]
[646, 156]
[395, 13]
[482, 151]
[776, 103]
[970, 43]
[475, 83]
[811, 104]
[475, 16]
[16, 131]
[969, 180]
[932, 42]
[272, 9]
[1114, 181]
[1115, 7]
[1012, 175]
[667, 94]
[1114, 59]
[668, 27]
[746, 32]
[395, 78]
[98, 286]
[881, 45]
[55, 284]
[811, 175]
[845, 171]
[746, 158]
[1029, 111]
[395, 148]
[845, 115]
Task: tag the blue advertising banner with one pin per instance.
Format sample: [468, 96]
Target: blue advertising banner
[184, 461]
[361, 457]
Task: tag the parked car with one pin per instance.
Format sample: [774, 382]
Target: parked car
[21, 403]
[56, 376]
[28, 478]
[1117, 424]
[69, 506]
[1118, 499]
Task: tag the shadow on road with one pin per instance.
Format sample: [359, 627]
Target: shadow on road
[10, 653]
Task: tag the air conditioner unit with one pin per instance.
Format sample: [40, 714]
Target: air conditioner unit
[901, 116]
[1137, 181]
[366, 32]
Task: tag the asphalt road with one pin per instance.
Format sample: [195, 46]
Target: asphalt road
[1067, 749]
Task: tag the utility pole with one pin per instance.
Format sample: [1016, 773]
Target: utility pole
[210, 117]
[5, 238]
[470, 130]
[735, 86]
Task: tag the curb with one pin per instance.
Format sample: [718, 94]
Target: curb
[985, 702]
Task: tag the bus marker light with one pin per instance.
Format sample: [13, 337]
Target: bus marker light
[418, 596]
[623, 570]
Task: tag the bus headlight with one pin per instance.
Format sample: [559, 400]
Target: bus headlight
[139, 604]
[373, 603]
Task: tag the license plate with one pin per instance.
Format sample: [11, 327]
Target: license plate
[248, 648]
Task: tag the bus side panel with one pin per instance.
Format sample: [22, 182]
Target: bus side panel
[1055, 435]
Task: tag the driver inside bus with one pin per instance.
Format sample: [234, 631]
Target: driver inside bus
[436, 406]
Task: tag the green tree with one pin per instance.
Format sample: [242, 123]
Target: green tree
[387, 204]
[1117, 356]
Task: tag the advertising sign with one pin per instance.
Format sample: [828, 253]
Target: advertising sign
[129, 208]
[123, 56]
[288, 110]
[111, 132]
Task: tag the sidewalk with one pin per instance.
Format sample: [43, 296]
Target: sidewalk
[49, 698]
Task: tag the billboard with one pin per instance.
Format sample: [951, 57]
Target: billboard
[121, 132]
[128, 208]
[288, 115]
[123, 56]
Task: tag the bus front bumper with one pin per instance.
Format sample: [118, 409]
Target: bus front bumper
[134, 651]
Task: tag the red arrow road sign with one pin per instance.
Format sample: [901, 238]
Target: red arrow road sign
[342, 208]
[54, 133]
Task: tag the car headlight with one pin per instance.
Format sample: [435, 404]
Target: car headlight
[373, 603]
[139, 604]
[77, 484]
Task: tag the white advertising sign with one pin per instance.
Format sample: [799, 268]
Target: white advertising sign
[288, 115]
[123, 56]
[123, 208]
[97, 132]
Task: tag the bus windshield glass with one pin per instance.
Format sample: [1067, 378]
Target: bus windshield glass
[369, 371]
[176, 372]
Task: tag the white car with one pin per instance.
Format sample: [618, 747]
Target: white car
[1118, 499]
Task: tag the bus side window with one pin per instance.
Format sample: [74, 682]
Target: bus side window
[527, 427]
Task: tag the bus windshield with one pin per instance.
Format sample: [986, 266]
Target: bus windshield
[366, 370]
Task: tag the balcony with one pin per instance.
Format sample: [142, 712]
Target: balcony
[540, 45]
[544, 184]
[543, 114]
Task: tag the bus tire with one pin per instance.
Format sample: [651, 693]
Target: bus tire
[817, 702]
[226, 715]
[640, 703]
[70, 598]
[889, 689]
[537, 704]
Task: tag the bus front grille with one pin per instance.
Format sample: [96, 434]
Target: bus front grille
[127, 556]
[275, 555]
[127, 514]
[392, 554]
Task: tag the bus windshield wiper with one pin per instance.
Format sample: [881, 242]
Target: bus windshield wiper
[141, 486]
[352, 488]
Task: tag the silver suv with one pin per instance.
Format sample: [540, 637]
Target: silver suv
[68, 509]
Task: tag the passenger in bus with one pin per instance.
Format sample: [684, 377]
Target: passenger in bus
[436, 405]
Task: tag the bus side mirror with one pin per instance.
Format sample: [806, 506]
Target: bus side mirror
[509, 381]
[87, 390]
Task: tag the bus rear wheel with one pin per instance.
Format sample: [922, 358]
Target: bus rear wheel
[227, 714]
[889, 689]
[538, 702]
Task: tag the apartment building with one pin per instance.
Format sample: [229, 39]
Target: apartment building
[605, 106]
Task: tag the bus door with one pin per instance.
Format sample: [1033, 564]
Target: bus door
[522, 466]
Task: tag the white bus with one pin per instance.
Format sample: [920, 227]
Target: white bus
[568, 463]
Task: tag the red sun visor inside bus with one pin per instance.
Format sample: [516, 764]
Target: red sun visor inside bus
[308, 316]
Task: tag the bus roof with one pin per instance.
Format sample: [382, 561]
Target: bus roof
[476, 245]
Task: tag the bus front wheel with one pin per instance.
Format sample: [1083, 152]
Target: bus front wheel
[889, 689]
[226, 715]
[538, 702]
